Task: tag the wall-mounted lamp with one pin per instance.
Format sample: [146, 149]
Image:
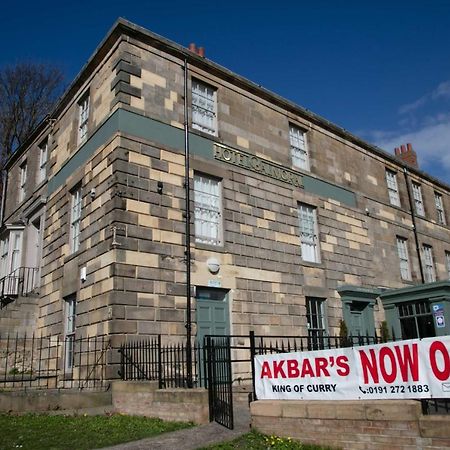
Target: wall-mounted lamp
[160, 187]
[213, 265]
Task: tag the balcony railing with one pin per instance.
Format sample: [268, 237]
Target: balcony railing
[19, 282]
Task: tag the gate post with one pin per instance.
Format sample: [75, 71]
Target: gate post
[252, 357]
[159, 363]
[210, 364]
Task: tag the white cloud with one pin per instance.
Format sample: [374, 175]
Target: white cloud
[441, 92]
[425, 123]
[431, 142]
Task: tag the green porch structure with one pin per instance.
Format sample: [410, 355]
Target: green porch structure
[357, 309]
[418, 311]
[411, 312]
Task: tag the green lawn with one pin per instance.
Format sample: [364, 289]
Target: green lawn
[258, 441]
[45, 432]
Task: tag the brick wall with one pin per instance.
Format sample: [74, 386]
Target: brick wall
[353, 425]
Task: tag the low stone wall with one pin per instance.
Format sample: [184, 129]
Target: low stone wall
[392, 425]
[52, 400]
[143, 398]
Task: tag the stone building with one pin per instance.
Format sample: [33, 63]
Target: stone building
[295, 222]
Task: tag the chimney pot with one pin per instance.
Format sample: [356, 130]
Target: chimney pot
[201, 52]
[406, 154]
[193, 47]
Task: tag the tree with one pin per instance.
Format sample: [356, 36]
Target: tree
[28, 92]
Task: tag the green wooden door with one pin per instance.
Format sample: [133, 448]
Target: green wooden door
[212, 312]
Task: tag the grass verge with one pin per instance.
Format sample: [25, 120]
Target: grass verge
[258, 441]
[46, 432]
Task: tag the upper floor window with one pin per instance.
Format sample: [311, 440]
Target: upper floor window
[204, 107]
[391, 181]
[418, 201]
[75, 219]
[208, 210]
[309, 234]
[83, 119]
[23, 181]
[43, 155]
[402, 250]
[439, 208]
[299, 150]
[430, 274]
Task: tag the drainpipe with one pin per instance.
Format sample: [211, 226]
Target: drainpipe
[187, 231]
[413, 217]
[5, 183]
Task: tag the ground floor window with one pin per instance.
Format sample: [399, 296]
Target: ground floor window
[69, 316]
[315, 317]
[416, 320]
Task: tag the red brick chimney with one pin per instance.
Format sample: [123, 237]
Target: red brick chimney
[200, 51]
[407, 155]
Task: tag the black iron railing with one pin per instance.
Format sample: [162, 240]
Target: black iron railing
[21, 281]
[53, 362]
[149, 360]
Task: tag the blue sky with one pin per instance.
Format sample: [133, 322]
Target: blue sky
[378, 69]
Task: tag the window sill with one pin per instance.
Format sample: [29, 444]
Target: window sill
[210, 247]
[204, 134]
[318, 265]
[72, 255]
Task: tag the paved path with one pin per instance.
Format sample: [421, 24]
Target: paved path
[193, 438]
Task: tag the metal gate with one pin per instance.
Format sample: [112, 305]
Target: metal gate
[218, 363]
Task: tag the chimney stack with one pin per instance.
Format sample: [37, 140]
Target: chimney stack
[406, 154]
[200, 51]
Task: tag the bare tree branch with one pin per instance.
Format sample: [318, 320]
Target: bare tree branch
[28, 92]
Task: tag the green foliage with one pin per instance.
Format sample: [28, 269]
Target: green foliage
[384, 330]
[343, 334]
[44, 432]
[258, 441]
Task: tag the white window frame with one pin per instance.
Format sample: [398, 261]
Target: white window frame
[23, 181]
[428, 263]
[316, 322]
[299, 147]
[208, 210]
[391, 181]
[418, 199]
[43, 157]
[403, 256]
[204, 107]
[439, 202]
[75, 218]
[309, 233]
[4, 252]
[70, 306]
[83, 118]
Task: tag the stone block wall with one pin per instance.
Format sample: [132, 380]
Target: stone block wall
[353, 425]
[143, 398]
[132, 229]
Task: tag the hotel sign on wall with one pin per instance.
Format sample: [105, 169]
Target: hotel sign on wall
[257, 164]
[398, 370]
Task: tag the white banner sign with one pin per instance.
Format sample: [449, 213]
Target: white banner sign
[403, 369]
